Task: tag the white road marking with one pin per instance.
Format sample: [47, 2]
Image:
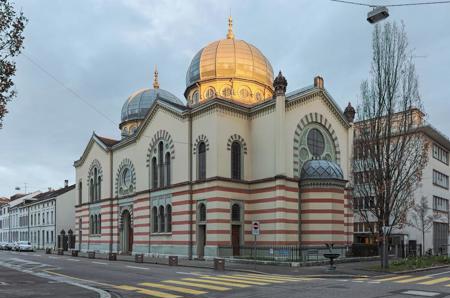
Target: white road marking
[374, 282]
[73, 260]
[421, 293]
[342, 280]
[50, 257]
[360, 281]
[135, 267]
[38, 255]
[101, 263]
[439, 273]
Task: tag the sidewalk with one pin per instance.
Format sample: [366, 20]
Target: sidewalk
[347, 269]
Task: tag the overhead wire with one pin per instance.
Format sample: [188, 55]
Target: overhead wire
[391, 5]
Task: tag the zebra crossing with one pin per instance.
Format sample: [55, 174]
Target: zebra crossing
[204, 284]
[423, 280]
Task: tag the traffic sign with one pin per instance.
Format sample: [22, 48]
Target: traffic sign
[255, 228]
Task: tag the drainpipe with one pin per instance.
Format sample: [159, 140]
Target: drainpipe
[190, 184]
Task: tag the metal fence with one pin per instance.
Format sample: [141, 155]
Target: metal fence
[279, 253]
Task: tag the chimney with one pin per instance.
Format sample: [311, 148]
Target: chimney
[318, 82]
[66, 183]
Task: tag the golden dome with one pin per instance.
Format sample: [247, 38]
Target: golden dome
[229, 68]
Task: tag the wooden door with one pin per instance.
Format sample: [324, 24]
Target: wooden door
[236, 239]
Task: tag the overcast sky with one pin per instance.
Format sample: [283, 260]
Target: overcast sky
[105, 50]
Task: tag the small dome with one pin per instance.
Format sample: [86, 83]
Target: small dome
[137, 105]
[321, 169]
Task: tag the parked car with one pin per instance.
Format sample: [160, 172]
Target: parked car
[23, 246]
[2, 245]
[9, 246]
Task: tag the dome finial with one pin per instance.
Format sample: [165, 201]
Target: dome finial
[155, 78]
[230, 34]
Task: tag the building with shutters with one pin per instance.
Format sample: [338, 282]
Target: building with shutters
[189, 177]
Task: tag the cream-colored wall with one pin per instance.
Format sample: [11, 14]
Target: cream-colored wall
[137, 151]
[263, 145]
[82, 172]
[316, 105]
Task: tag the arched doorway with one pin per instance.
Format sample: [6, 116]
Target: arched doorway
[201, 227]
[126, 233]
[236, 218]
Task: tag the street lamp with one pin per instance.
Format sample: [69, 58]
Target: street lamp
[378, 13]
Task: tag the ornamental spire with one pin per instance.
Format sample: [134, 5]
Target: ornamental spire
[230, 34]
[155, 78]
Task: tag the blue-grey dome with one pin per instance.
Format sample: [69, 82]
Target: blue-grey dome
[137, 105]
[321, 169]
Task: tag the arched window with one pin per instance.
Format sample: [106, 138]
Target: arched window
[201, 172]
[202, 212]
[161, 163]
[99, 187]
[154, 173]
[99, 225]
[235, 212]
[195, 97]
[167, 164]
[91, 224]
[161, 219]
[95, 185]
[236, 161]
[80, 192]
[95, 224]
[169, 218]
[155, 219]
[91, 190]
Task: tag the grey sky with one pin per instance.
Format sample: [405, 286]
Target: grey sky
[105, 50]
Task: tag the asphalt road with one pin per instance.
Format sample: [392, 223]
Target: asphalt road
[65, 276]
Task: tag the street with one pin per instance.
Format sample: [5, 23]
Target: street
[27, 274]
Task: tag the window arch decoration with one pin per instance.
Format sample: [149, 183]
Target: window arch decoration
[161, 135]
[237, 138]
[120, 217]
[200, 138]
[201, 212]
[94, 181]
[301, 152]
[125, 178]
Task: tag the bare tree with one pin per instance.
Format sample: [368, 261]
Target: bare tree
[12, 25]
[422, 220]
[390, 152]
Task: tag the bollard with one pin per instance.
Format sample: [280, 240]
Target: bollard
[173, 260]
[91, 254]
[139, 258]
[60, 252]
[74, 253]
[112, 256]
[48, 251]
[219, 264]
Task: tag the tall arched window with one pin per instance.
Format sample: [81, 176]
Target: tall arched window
[161, 219]
[154, 173]
[99, 225]
[91, 224]
[95, 185]
[167, 171]
[169, 218]
[155, 219]
[99, 187]
[95, 224]
[91, 190]
[80, 192]
[201, 172]
[161, 163]
[236, 170]
[202, 212]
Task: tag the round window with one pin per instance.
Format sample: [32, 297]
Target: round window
[316, 142]
[210, 93]
[244, 93]
[126, 177]
[226, 92]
